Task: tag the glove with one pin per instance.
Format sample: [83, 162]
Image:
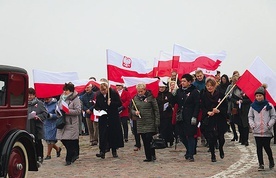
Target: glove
[193, 121]
[121, 108]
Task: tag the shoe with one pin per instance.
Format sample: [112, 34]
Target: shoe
[191, 159]
[271, 164]
[153, 158]
[261, 167]
[186, 157]
[68, 163]
[136, 149]
[234, 139]
[246, 143]
[40, 160]
[75, 158]
[58, 152]
[101, 155]
[221, 154]
[114, 154]
[147, 160]
[213, 158]
[126, 140]
[47, 157]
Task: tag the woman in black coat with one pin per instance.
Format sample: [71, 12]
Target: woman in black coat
[214, 123]
[164, 101]
[110, 131]
[187, 97]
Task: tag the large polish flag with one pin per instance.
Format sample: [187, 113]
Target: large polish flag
[119, 65]
[177, 50]
[152, 84]
[165, 63]
[49, 84]
[256, 75]
[190, 60]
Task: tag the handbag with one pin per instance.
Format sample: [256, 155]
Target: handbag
[60, 122]
[158, 142]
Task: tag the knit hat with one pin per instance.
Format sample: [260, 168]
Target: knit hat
[261, 90]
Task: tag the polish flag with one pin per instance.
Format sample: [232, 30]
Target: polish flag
[165, 63]
[49, 84]
[190, 60]
[256, 75]
[152, 84]
[119, 65]
[177, 50]
[64, 107]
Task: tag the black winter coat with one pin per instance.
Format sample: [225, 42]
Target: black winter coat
[110, 122]
[216, 122]
[188, 101]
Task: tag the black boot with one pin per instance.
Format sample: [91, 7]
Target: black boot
[114, 154]
[221, 153]
[101, 155]
[213, 158]
[271, 164]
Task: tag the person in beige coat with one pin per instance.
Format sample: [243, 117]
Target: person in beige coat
[69, 135]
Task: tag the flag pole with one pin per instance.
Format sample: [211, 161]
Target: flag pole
[225, 96]
[135, 107]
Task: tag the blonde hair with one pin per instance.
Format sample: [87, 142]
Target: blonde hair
[198, 72]
[212, 81]
[141, 86]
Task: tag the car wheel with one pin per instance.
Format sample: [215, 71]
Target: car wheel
[18, 161]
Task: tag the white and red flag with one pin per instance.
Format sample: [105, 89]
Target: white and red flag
[256, 75]
[49, 84]
[64, 107]
[119, 65]
[177, 50]
[190, 60]
[165, 63]
[152, 84]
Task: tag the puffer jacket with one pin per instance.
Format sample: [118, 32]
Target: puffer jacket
[150, 118]
[262, 123]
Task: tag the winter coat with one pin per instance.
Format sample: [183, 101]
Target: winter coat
[262, 123]
[50, 130]
[35, 126]
[165, 99]
[125, 98]
[149, 112]
[188, 101]
[216, 123]
[110, 122]
[71, 128]
[200, 85]
[87, 100]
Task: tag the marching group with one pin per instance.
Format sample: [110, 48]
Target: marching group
[187, 109]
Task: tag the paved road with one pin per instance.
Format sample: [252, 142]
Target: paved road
[239, 161]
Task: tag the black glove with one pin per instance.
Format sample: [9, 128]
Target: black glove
[121, 108]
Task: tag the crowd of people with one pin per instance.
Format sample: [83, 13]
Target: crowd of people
[189, 109]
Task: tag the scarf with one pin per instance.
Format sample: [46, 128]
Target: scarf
[259, 105]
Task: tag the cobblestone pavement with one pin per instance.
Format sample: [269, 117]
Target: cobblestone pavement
[239, 161]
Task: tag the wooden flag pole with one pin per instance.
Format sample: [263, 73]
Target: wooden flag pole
[135, 107]
[225, 96]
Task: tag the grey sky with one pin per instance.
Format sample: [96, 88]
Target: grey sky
[73, 35]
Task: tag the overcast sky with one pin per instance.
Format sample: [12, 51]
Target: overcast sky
[73, 35]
